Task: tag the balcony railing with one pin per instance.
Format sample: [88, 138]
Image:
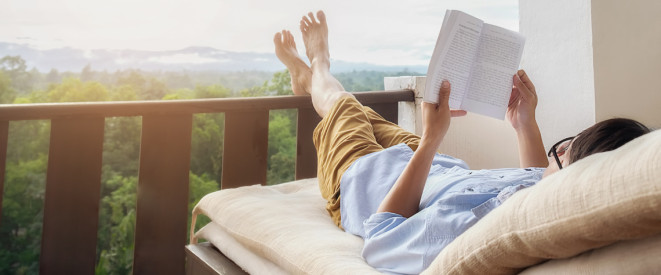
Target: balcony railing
[73, 181]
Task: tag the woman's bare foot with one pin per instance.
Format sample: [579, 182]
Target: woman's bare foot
[315, 38]
[301, 75]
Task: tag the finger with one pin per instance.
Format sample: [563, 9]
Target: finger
[514, 96]
[523, 89]
[428, 105]
[457, 113]
[444, 94]
[526, 80]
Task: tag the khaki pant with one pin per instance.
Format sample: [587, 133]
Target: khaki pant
[348, 132]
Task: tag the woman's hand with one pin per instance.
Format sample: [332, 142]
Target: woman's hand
[521, 113]
[523, 101]
[436, 117]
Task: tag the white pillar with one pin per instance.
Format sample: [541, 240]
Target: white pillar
[558, 58]
[409, 113]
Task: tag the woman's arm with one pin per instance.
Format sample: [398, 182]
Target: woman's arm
[521, 114]
[404, 197]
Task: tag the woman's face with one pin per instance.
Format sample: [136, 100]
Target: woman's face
[563, 155]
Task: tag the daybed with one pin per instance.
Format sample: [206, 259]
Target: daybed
[601, 215]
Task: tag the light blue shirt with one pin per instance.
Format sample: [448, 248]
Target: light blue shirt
[454, 198]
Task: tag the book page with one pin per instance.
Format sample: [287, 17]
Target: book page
[497, 61]
[453, 57]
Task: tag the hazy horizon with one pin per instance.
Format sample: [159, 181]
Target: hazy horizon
[386, 33]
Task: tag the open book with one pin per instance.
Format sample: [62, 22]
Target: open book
[478, 60]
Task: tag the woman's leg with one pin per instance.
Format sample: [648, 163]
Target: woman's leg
[345, 132]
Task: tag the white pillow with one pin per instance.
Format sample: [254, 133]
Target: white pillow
[288, 225]
[594, 202]
[626, 257]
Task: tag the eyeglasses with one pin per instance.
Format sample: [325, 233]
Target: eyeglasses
[556, 152]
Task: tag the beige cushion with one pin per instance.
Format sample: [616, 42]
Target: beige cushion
[235, 251]
[288, 225]
[639, 256]
[592, 203]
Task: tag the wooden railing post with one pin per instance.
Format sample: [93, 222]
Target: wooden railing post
[306, 153]
[4, 137]
[161, 216]
[246, 148]
[71, 203]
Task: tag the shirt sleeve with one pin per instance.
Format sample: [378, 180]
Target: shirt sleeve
[392, 243]
[380, 223]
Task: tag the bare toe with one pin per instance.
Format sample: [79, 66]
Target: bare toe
[322, 17]
[289, 39]
[277, 39]
[311, 16]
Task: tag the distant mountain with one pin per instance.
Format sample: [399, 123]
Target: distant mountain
[191, 58]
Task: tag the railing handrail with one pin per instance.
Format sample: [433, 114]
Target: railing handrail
[11, 112]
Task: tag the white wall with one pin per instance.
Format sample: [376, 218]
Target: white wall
[558, 58]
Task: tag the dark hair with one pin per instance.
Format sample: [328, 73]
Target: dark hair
[605, 136]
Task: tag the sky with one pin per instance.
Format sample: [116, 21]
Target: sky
[383, 32]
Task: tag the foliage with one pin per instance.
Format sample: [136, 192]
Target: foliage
[27, 155]
[358, 81]
[116, 226]
[282, 147]
[199, 186]
[22, 212]
[207, 145]
[16, 68]
[74, 90]
[7, 93]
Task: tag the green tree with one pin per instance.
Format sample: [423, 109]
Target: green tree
[281, 83]
[213, 91]
[146, 88]
[22, 213]
[282, 147]
[207, 145]
[16, 68]
[7, 93]
[87, 74]
[199, 187]
[117, 217]
[74, 90]
[53, 76]
[123, 93]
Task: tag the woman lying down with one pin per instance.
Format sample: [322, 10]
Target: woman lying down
[391, 187]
